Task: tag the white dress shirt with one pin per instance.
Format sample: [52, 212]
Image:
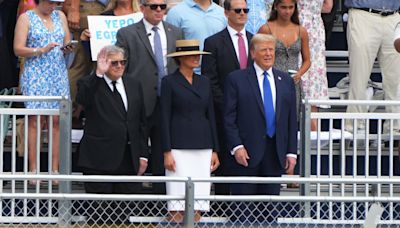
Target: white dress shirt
[120, 87]
[235, 38]
[163, 37]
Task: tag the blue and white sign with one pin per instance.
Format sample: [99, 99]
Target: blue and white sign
[103, 29]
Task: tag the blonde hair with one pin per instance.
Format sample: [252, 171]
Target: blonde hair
[259, 38]
[112, 4]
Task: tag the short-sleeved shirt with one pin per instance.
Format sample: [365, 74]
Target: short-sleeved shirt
[389, 5]
[196, 23]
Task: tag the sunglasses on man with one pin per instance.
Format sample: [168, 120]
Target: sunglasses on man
[118, 62]
[155, 6]
[239, 10]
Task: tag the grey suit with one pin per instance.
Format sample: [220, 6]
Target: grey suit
[142, 66]
[142, 62]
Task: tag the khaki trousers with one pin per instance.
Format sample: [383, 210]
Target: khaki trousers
[370, 36]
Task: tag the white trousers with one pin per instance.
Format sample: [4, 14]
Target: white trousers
[370, 36]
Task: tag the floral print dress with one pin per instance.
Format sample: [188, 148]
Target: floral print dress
[46, 74]
[314, 81]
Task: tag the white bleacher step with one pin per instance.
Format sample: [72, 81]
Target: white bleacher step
[147, 219]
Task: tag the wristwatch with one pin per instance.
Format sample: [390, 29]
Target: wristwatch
[35, 51]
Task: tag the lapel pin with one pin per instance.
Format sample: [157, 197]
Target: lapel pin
[169, 29]
[279, 78]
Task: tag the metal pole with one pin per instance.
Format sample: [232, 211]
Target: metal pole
[189, 204]
[305, 155]
[65, 160]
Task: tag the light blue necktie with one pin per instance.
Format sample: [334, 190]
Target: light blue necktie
[268, 106]
[159, 57]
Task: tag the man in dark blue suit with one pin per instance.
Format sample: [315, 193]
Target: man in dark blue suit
[260, 120]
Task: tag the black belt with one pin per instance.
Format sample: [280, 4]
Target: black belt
[380, 12]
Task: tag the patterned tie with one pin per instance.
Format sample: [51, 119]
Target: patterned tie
[159, 57]
[242, 51]
[117, 95]
[268, 106]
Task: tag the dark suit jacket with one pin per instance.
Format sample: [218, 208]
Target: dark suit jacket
[188, 120]
[142, 63]
[244, 117]
[220, 63]
[108, 125]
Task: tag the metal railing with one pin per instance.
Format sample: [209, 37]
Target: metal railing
[342, 174]
[349, 152]
[17, 166]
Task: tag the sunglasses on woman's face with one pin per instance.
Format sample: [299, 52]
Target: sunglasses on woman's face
[155, 6]
[118, 62]
[239, 10]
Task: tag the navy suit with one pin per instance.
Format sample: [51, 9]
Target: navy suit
[245, 124]
[187, 113]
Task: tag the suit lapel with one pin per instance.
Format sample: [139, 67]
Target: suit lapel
[252, 77]
[113, 101]
[170, 41]
[278, 89]
[129, 95]
[249, 59]
[141, 30]
[227, 40]
[182, 81]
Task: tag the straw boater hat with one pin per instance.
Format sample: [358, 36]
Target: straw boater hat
[187, 47]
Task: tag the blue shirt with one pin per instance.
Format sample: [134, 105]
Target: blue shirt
[258, 14]
[196, 23]
[389, 5]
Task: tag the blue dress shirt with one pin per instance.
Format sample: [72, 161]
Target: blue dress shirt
[389, 5]
[196, 23]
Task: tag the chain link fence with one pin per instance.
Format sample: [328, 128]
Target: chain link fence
[289, 209]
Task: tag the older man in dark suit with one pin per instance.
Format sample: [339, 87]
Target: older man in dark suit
[114, 141]
[260, 119]
[147, 43]
[229, 50]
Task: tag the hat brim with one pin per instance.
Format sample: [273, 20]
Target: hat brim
[185, 53]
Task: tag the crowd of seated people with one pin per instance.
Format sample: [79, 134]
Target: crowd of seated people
[206, 89]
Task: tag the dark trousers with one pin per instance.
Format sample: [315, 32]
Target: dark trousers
[8, 61]
[258, 212]
[156, 158]
[222, 171]
[109, 212]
